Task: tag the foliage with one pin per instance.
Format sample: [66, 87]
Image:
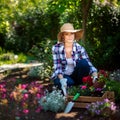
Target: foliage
[104, 108]
[39, 72]
[25, 31]
[66, 11]
[103, 35]
[11, 58]
[115, 75]
[24, 19]
[42, 51]
[113, 85]
[54, 101]
[27, 23]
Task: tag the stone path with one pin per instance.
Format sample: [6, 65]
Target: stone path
[6, 67]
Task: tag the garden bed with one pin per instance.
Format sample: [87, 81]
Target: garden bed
[77, 113]
[83, 101]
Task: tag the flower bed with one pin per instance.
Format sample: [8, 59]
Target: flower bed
[20, 100]
[83, 101]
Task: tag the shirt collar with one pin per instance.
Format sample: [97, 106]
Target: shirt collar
[62, 47]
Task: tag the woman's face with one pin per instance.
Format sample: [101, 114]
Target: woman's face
[68, 37]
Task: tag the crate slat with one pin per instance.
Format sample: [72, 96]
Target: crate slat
[83, 101]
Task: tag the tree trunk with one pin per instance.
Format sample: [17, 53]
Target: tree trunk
[86, 4]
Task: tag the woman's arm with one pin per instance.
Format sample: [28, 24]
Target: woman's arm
[57, 62]
[84, 55]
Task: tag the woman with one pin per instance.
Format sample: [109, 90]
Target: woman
[71, 62]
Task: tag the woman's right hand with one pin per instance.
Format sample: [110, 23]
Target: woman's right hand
[63, 82]
[60, 76]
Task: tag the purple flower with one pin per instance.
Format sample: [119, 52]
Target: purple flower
[96, 108]
[98, 89]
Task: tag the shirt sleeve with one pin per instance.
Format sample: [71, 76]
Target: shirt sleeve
[84, 55]
[56, 61]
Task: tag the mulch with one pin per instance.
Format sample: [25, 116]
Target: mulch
[75, 114]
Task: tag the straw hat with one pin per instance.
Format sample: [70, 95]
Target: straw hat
[68, 27]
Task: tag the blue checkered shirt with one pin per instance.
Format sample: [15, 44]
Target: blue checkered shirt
[59, 59]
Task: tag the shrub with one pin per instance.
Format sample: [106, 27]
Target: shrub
[54, 101]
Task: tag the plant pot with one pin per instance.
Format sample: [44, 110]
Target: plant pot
[106, 112]
[83, 101]
[99, 84]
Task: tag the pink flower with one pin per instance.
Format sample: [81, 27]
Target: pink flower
[26, 111]
[106, 100]
[113, 107]
[38, 95]
[23, 86]
[38, 110]
[3, 90]
[83, 87]
[3, 95]
[25, 96]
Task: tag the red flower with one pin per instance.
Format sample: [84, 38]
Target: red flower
[87, 80]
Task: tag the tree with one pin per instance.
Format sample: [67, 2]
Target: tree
[86, 5]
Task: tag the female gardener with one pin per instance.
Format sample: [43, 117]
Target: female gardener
[71, 61]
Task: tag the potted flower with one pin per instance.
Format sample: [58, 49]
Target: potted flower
[83, 89]
[102, 108]
[102, 78]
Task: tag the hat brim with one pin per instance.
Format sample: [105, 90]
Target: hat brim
[78, 34]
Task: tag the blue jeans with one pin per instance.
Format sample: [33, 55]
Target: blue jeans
[81, 70]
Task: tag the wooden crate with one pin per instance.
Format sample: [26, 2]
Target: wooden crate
[83, 101]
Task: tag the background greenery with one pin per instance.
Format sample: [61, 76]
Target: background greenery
[30, 27]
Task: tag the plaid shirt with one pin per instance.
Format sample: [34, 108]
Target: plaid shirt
[59, 58]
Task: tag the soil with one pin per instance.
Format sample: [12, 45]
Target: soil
[75, 114]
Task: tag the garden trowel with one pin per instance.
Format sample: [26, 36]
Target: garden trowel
[71, 103]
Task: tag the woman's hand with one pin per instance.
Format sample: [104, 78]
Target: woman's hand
[60, 76]
[63, 82]
[95, 77]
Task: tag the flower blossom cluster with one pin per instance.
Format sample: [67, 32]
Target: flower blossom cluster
[3, 93]
[26, 97]
[104, 108]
